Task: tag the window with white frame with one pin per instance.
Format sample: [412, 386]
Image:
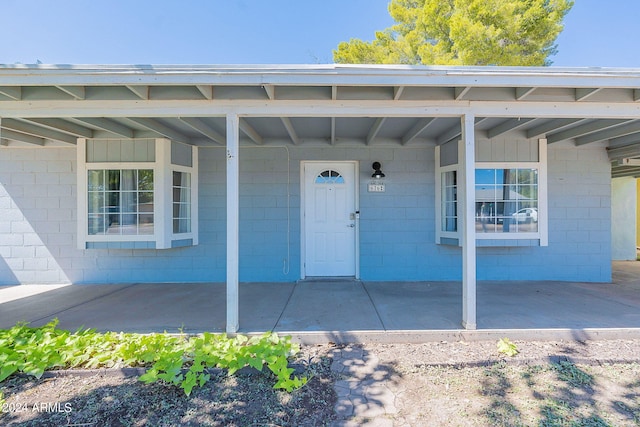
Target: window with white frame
[506, 200]
[120, 202]
[449, 204]
[181, 202]
[510, 195]
[137, 194]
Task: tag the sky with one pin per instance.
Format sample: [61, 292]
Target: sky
[598, 33]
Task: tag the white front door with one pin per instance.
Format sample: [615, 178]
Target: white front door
[330, 218]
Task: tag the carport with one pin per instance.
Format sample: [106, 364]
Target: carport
[335, 109]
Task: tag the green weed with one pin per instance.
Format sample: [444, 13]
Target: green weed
[181, 361]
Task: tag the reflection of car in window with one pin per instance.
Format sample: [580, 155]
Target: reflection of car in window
[526, 215]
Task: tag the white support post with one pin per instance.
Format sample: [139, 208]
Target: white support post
[233, 213]
[468, 223]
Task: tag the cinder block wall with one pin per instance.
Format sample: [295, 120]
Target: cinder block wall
[397, 227]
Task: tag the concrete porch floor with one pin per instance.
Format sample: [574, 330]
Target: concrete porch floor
[344, 311]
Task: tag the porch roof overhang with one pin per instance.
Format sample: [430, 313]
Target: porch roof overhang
[358, 105]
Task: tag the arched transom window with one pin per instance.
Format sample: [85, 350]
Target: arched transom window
[329, 177]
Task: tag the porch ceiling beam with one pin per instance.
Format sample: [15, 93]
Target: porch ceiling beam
[40, 132]
[624, 140]
[318, 108]
[271, 91]
[286, 121]
[373, 132]
[202, 127]
[17, 136]
[624, 171]
[460, 92]
[617, 153]
[551, 126]
[78, 92]
[250, 132]
[455, 132]
[523, 92]
[629, 128]
[141, 91]
[334, 92]
[581, 130]
[417, 129]
[397, 92]
[629, 162]
[506, 126]
[162, 129]
[63, 126]
[13, 92]
[584, 93]
[108, 125]
[206, 91]
[332, 141]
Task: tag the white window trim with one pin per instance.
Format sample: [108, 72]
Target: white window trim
[163, 235]
[542, 235]
[543, 218]
[440, 233]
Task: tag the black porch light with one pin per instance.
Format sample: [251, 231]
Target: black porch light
[377, 168]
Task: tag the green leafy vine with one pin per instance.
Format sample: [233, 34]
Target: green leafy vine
[177, 360]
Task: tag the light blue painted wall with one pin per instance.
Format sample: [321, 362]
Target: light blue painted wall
[38, 221]
[624, 206]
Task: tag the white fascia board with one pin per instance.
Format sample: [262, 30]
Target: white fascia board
[333, 74]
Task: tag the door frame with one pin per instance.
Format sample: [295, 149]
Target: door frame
[303, 231]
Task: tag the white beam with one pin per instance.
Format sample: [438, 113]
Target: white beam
[630, 162]
[417, 129]
[460, 92]
[63, 126]
[206, 91]
[377, 125]
[160, 128]
[397, 92]
[77, 92]
[584, 93]
[250, 132]
[203, 128]
[613, 132]
[551, 126]
[17, 136]
[13, 92]
[318, 108]
[506, 126]
[290, 130]
[108, 125]
[141, 91]
[333, 130]
[233, 223]
[38, 131]
[468, 184]
[523, 92]
[585, 129]
[455, 132]
[271, 91]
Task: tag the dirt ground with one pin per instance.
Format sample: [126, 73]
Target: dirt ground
[594, 383]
